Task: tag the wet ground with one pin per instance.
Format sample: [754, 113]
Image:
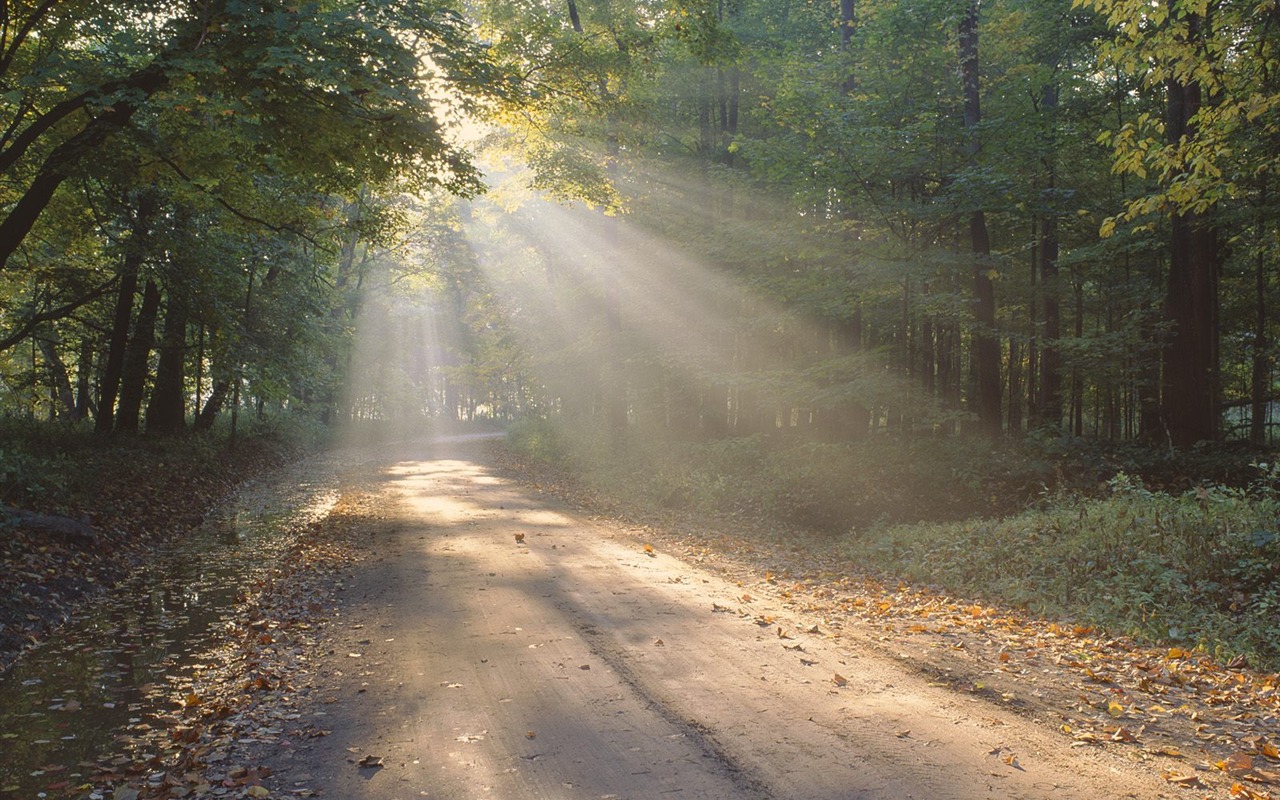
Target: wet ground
[124, 663]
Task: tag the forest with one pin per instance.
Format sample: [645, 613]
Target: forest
[844, 264]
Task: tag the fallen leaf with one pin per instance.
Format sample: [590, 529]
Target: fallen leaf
[1236, 762]
[370, 761]
[1185, 781]
[839, 680]
[1123, 734]
[1240, 790]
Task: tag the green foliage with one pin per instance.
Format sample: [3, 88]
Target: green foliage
[25, 474]
[1201, 567]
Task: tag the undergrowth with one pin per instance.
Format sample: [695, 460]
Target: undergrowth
[1182, 551]
[1199, 568]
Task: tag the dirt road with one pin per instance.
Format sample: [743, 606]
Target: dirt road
[500, 646]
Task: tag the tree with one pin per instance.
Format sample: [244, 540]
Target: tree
[986, 343]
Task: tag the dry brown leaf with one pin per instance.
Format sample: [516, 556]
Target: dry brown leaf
[1179, 779]
[1236, 762]
[839, 680]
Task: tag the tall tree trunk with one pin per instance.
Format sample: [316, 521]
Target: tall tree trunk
[59, 380]
[166, 410]
[1049, 405]
[84, 379]
[213, 406]
[986, 357]
[1260, 379]
[1190, 391]
[1015, 388]
[133, 383]
[1032, 390]
[1077, 376]
[135, 251]
[848, 27]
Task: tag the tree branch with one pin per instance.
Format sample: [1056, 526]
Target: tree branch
[29, 325]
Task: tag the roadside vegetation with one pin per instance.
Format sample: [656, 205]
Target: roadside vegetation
[1183, 552]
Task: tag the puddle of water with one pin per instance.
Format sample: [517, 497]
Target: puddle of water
[118, 667]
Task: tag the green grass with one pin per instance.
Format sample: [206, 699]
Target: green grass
[1201, 568]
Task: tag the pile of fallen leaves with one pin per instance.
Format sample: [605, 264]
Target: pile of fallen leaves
[135, 495]
[246, 696]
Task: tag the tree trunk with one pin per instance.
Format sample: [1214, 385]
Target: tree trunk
[1190, 389]
[133, 381]
[166, 411]
[848, 26]
[84, 374]
[1015, 388]
[213, 406]
[134, 251]
[1049, 405]
[1260, 379]
[59, 379]
[986, 357]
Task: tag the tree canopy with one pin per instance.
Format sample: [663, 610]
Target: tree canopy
[707, 218]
